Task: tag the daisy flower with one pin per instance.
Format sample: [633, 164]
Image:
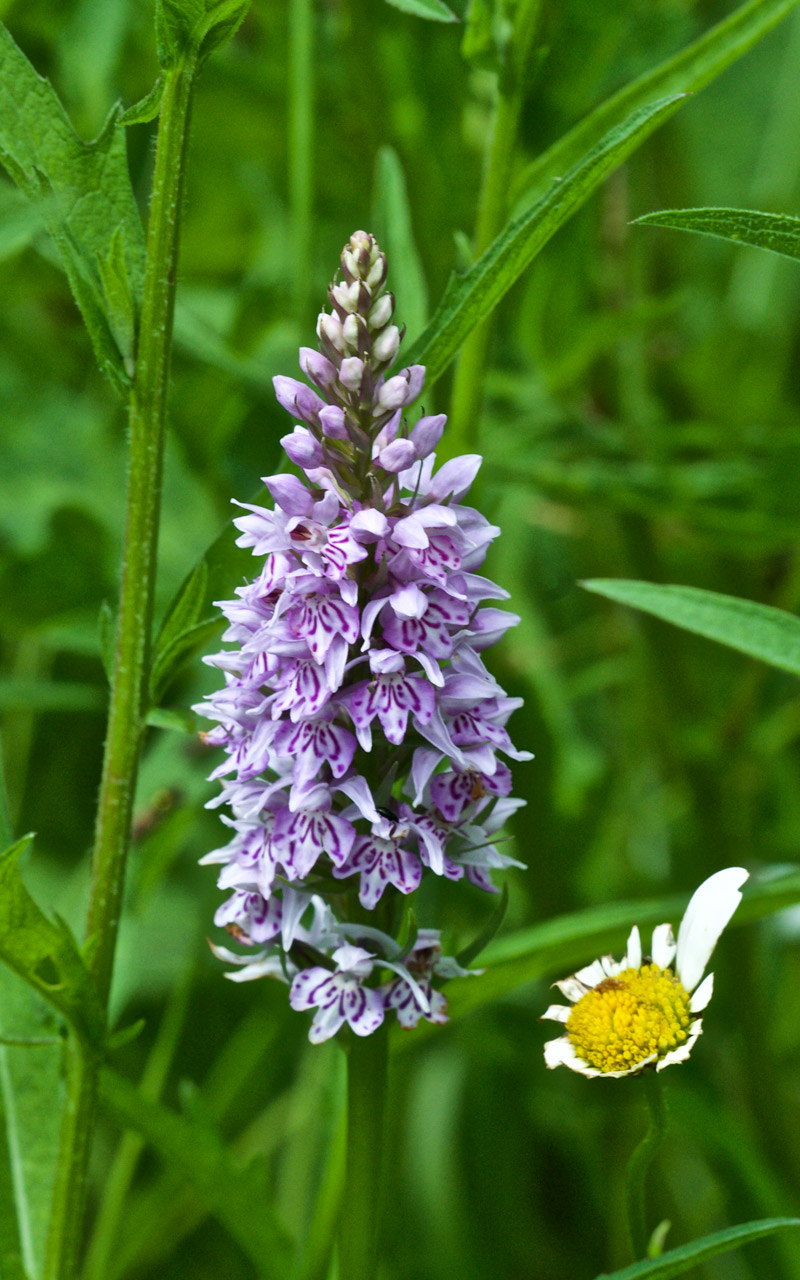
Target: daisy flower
[640, 1011]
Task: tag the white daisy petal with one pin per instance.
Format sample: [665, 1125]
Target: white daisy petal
[571, 988]
[557, 1012]
[702, 995]
[663, 946]
[633, 954]
[560, 1053]
[611, 967]
[591, 974]
[709, 910]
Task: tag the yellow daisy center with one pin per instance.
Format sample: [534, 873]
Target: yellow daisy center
[626, 1019]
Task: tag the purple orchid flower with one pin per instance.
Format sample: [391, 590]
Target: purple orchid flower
[361, 729]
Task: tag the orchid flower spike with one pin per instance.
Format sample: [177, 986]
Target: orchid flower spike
[362, 732]
[639, 1012]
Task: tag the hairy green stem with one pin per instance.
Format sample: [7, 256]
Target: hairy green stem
[128, 701]
[367, 1061]
[640, 1161]
[492, 211]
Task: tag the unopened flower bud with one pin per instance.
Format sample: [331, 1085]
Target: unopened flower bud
[350, 334]
[381, 312]
[351, 373]
[384, 348]
[427, 434]
[377, 274]
[330, 327]
[296, 398]
[316, 367]
[392, 395]
[397, 456]
[331, 419]
[302, 449]
[347, 295]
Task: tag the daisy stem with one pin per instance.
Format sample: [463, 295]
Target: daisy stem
[367, 1062]
[640, 1161]
[128, 698]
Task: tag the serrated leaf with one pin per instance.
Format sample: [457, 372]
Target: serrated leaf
[469, 298]
[777, 232]
[147, 108]
[234, 1195]
[195, 27]
[466, 956]
[686, 72]
[120, 306]
[759, 630]
[82, 189]
[391, 220]
[676, 1262]
[31, 1081]
[435, 10]
[44, 953]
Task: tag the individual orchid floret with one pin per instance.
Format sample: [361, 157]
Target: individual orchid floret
[644, 1011]
[362, 732]
[340, 996]
[412, 996]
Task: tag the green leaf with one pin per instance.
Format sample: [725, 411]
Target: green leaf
[147, 108]
[44, 953]
[82, 190]
[759, 630]
[195, 27]
[391, 222]
[120, 306]
[182, 648]
[172, 718]
[686, 72]
[234, 1194]
[32, 1087]
[678, 1261]
[487, 933]
[777, 232]
[435, 10]
[470, 297]
[181, 635]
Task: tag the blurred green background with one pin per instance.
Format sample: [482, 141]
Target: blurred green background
[640, 420]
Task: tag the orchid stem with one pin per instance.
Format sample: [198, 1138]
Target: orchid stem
[367, 1063]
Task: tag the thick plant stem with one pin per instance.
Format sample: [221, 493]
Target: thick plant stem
[147, 422]
[492, 212]
[367, 1061]
[640, 1161]
[128, 700]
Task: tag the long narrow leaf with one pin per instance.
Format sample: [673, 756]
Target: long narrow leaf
[235, 1195]
[758, 630]
[678, 1261]
[470, 297]
[777, 232]
[687, 72]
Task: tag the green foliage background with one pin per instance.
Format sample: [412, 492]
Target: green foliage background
[640, 420]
